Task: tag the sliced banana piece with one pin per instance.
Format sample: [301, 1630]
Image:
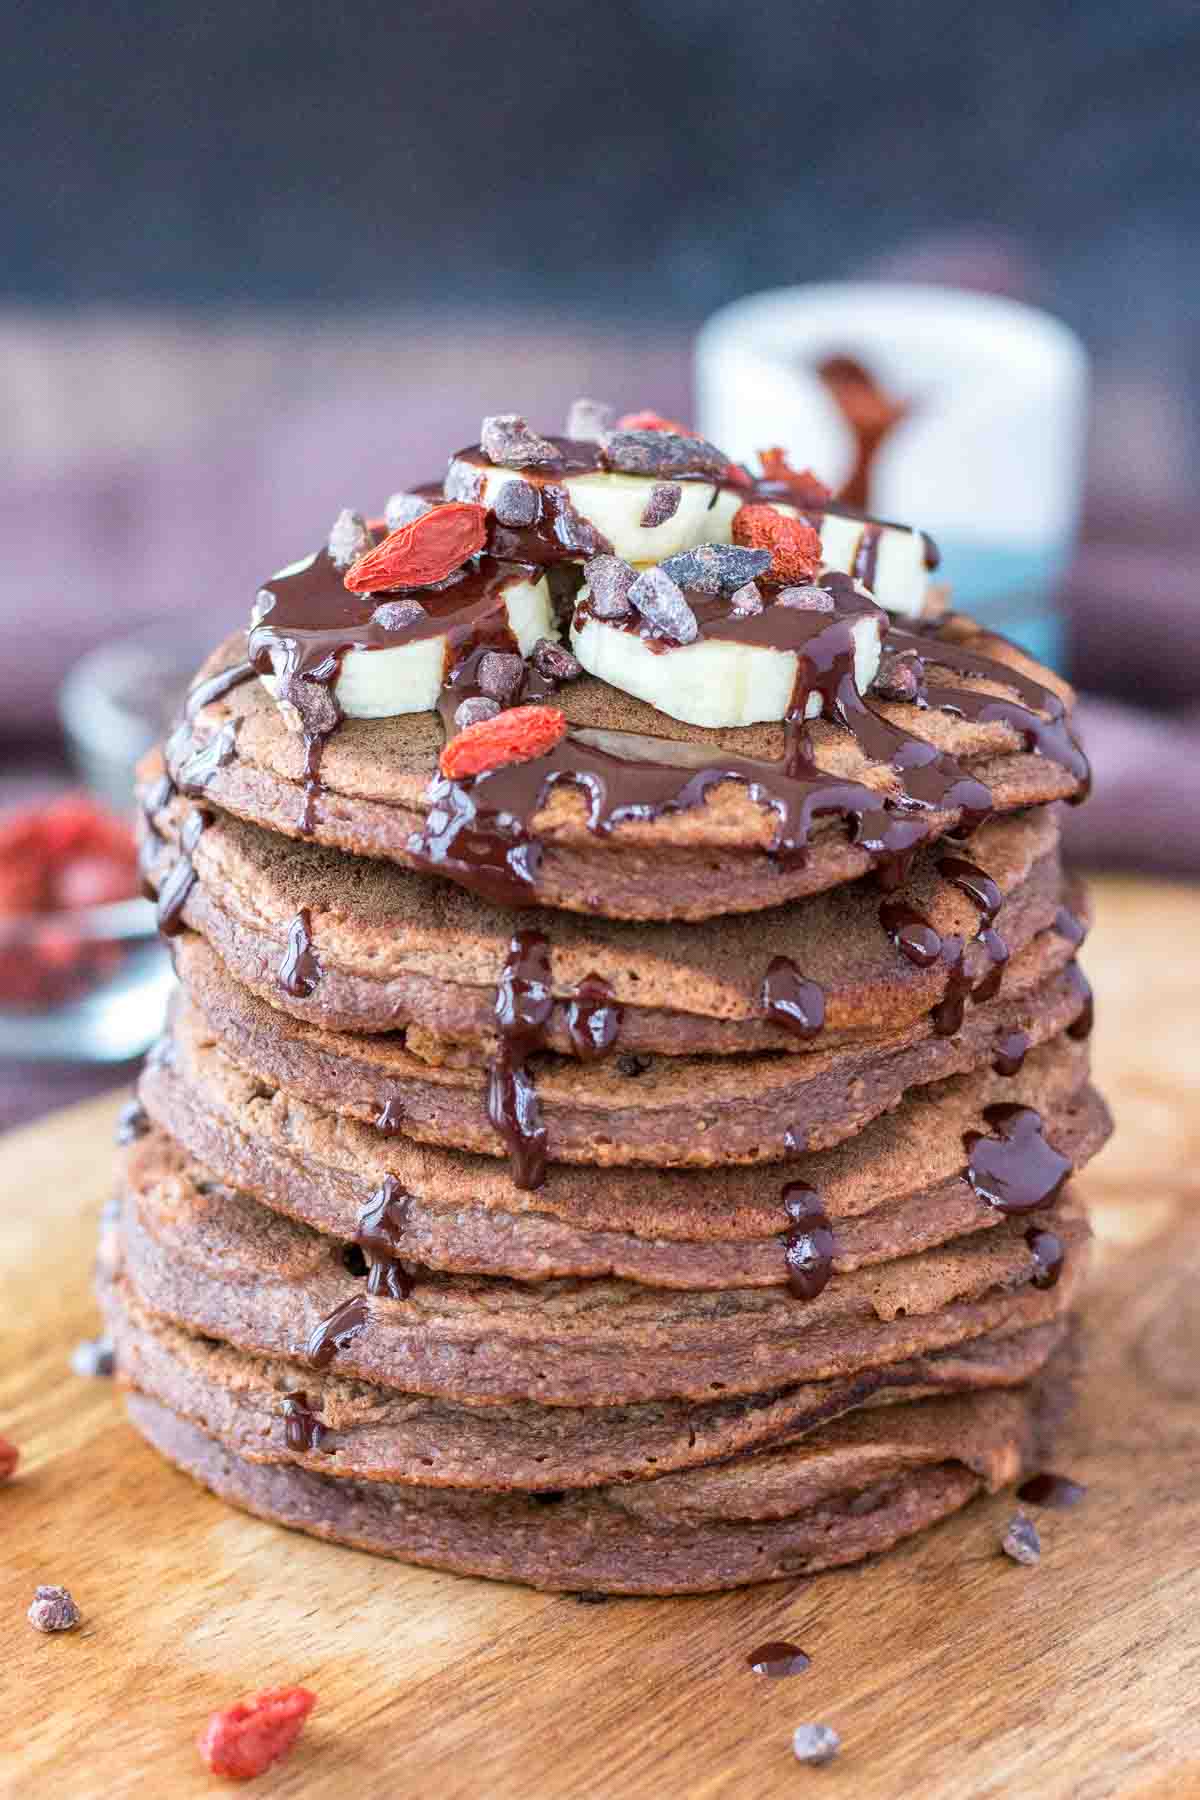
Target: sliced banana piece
[377, 680]
[712, 681]
[616, 505]
[888, 559]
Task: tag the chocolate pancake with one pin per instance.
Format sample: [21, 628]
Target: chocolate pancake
[365, 1432]
[898, 1187]
[213, 1259]
[620, 1540]
[678, 831]
[678, 1112]
[368, 946]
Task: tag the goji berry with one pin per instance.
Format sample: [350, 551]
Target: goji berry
[795, 547]
[10, 1456]
[514, 736]
[424, 550]
[244, 1740]
[808, 488]
[652, 421]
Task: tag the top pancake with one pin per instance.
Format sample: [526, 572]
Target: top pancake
[696, 862]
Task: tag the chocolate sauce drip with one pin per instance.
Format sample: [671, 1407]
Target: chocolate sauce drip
[866, 557]
[869, 414]
[1050, 737]
[1068, 926]
[1046, 1489]
[1049, 1254]
[791, 1001]
[1010, 1052]
[217, 686]
[382, 1222]
[300, 971]
[593, 1019]
[1016, 1170]
[524, 1002]
[303, 1430]
[195, 768]
[390, 1119]
[133, 1122]
[337, 1331]
[1081, 1026]
[181, 878]
[979, 887]
[809, 1246]
[911, 933]
[778, 1658]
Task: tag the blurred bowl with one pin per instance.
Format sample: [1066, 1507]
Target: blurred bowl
[86, 985]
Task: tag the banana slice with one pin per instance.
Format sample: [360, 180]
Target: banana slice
[713, 680]
[614, 504]
[890, 560]
[394, 649]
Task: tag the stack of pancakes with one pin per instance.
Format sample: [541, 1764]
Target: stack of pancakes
[796, 1277]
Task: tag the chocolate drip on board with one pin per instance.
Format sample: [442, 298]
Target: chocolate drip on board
[778, 1658]
[337, 1331]
[1015, 1170]
[524, 1002]
[809, 1246]
[1047, 1489]
[181, 877]
[300, 971]
[302, 1428]
[791, 1001]
[382, 1223]
[593, 1019]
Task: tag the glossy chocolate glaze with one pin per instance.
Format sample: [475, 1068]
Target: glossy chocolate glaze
[382, 1222]
[337, 1330]
[1015, 1169]
[1047, 1489]
[300, 971]
[778, 1658]
[524, 1002]
[809, 1245]
[791, 1001]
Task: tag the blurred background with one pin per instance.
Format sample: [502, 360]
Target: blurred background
[265, 260]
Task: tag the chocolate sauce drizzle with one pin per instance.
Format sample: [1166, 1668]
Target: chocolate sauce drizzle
[1015, 1170]
[809, 1246]
[917, 939]
[524, 1002]
[181, 878]
[302, 1428]
[300, 971]
[778, 1658]
[1049, 1254]
[337, 1331]
[390, 1118]
[1010, 1052]
[217, 686]
[593, 1019]
[869, 414]
[382, 1222]
[791, 1001]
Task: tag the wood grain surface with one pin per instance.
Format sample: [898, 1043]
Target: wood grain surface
[949, 1671]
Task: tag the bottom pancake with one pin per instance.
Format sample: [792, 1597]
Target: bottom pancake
[851, 1492]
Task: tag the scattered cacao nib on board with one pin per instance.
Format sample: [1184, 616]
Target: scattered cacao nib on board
[53, 1610]
[815, 1744]
[92, 1358]
[1021, 1541]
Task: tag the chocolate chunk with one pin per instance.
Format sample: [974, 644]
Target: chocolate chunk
[313, 701]
[475, 710]
[662, 505]
[394, 615]
[609, 581]
[633, 1063]
[349, 539]
[500, 675]
[662, 453]
[518, 503]
[402, 509]
[53, 1610]
[815, 1744]
[898, 677]
[661, 603]
[716, 568]
[806, 599]
[506, 440]
[588, 420]
[746, 600]
[92, 1358]
[1021, 1541]
[555, 661]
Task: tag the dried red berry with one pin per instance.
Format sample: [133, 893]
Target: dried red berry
[514, 736]
[10, 1456]
[808, 488]
[426, 549]
[795, 547]
[652, 421]
[244, 1740]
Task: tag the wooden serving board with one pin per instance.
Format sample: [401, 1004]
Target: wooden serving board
[947, 1670]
